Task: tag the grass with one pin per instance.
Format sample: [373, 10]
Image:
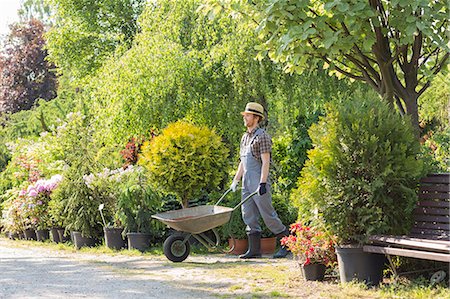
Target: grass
[265, 278]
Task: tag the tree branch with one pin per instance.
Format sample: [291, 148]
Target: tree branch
[437, 70]
[400, 106]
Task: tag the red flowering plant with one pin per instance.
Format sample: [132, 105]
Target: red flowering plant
[310, 245]
[133, 147]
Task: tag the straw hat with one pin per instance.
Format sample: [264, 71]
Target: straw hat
[254, 108]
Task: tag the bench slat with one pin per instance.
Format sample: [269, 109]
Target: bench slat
[443, 246]
[434, 203]
[434, 218]
[434, 195]
[443, 257]
[436, 179]
[432, 226]
[431, 211]
[429, 234]
[434, 188]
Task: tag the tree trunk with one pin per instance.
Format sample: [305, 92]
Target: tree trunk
[413, 111]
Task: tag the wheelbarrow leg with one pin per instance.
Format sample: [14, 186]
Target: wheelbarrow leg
[206, 241]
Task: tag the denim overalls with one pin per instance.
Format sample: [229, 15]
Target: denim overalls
[258, 205]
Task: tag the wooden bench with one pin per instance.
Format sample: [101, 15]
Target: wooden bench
[430, 236]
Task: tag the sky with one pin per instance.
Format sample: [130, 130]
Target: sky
[8, 14]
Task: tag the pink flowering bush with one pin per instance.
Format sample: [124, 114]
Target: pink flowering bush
[36, 200]
[310, 245]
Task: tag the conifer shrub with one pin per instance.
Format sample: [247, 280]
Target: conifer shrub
[361, 175]
[185, 159]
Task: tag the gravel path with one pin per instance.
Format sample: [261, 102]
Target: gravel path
[30, 271]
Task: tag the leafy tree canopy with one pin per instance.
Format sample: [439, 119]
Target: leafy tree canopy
[395, 46]
[25, 74]
[87, 32]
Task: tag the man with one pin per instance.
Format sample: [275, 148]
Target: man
[255, 150]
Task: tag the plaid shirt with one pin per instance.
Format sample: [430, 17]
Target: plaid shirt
[262, 143]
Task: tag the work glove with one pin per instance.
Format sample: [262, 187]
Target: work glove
[262, 189]
[234, 185]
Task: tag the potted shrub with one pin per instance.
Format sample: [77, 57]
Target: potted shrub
[312, 247]
[185, 160]
[80, 208]
[37, 201]
[106, 187]
[359, 180]
[135, 206]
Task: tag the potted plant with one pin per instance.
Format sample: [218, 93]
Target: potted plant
[135, 205]
[106, 186]
[312, 247]
[185, 160]
[234, 231]
[38, 198]
[360, 180]
[79, 207]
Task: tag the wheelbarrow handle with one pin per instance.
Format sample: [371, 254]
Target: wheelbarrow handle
[245, 199]
[223, 196]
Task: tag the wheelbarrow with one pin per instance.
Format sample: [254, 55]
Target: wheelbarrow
[194, 222]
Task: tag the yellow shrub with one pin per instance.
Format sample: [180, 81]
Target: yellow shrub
[185, 159]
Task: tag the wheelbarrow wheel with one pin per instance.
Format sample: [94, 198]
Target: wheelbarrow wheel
[175, 249]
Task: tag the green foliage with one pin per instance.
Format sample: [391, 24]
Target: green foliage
[136, 204]
[87, 32]
[436, 149]
[361, 175]
[185, 159]
[80, 209]
[80, 206]
[379, 42]
[434, 104]
[289, 154]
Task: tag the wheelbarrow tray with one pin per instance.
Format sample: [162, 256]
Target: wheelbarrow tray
[197, 219]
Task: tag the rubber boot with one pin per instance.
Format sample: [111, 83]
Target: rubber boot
[282, 252]
[254, 247]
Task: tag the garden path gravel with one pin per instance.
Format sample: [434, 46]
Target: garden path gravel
[33, 271]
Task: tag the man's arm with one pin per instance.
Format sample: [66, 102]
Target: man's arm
[265, 158]
[239, 173]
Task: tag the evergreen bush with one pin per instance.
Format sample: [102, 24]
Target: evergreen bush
[362, 173]
[185, 159]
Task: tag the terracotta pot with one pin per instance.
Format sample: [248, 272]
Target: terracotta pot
[268, 245]
[240, 245]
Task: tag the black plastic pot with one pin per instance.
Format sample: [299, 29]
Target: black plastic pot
[30, 234]
[355, 264]
[81, 241]
[315, 272]
[42, 235]
[139, 241]
[114, 238]
[54, 236]
[62, 237]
